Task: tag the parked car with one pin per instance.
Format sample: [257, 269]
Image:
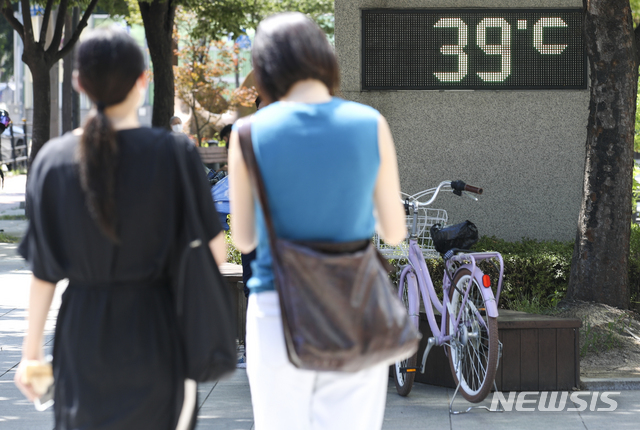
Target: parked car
[13, 155]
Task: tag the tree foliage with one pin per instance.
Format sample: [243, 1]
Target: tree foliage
[635, 12]
[202, 63]
[213, 19]
[217, 18]
[6, 50]
[636, 136]
[320, 11]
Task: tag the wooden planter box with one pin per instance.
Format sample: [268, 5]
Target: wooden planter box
[540, 353]
[232, 274]
[213, 154]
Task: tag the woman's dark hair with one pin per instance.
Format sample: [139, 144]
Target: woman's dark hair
[288, 48]
[108, 62]
[226, 131]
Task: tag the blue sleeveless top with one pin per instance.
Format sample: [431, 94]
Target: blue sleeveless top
[319, 163]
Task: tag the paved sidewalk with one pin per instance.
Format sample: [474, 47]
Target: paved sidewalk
[12, 195]
[12, 203]
[226, 405]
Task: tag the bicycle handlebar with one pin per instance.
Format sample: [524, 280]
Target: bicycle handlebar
[456, 186]
[459, 187]
[473, 189]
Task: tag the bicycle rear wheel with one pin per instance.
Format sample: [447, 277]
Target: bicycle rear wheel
[473, 353]
[403, 379]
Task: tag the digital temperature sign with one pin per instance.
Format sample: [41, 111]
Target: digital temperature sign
[474, 49]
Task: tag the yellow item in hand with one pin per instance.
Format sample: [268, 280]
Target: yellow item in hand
[39, 375]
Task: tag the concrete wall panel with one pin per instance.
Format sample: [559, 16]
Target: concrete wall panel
[526, 148]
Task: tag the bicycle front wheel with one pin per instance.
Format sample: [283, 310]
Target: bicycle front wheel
[473, 351]
[402, 378]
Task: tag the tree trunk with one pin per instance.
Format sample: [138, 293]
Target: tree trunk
[158, 17]
[75, 98]
[601, 253]
[194, 115]
[54, 120]
[67, 89]
[41, 108]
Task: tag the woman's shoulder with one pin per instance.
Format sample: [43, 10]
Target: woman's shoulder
[66, 142]
[142, 135]
[183, 141]
[339, 107]
[355, 109]
[155, 138]
[57, 151]
[182, 147]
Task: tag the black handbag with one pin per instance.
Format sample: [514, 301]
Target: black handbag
[339, 309]
[204, 306]
[459, 236]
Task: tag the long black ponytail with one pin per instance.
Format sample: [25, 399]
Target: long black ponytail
[109, 62]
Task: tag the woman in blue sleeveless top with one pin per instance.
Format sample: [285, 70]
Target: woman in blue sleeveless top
[328, 166]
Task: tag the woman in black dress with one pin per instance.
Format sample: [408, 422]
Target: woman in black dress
[105, 207]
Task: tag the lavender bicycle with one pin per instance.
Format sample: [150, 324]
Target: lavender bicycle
[468, 328]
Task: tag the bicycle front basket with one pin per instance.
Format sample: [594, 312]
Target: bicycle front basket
[460, 236]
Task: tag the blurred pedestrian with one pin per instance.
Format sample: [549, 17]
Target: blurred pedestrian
[105, 206]
[175, 123]
[5, 120]
[225, 133]
[303, 133]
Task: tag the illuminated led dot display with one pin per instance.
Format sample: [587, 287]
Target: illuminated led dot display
[473, 49]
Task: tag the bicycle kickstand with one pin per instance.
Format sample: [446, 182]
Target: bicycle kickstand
[495, 389]
[452, 412]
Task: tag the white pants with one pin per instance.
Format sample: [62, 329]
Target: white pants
[285, 397]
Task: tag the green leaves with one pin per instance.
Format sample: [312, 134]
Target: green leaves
[6, 50]
[198, 77]
[114, 7]
[321, 11]
[635, 11]
[634, 263]
[535, 272]
[219, 18]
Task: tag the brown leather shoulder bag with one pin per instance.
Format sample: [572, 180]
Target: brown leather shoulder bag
[339, 309]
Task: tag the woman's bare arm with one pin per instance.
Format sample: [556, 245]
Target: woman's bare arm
[218, 247]
[40, 297]
[242, 207]
[390, 212]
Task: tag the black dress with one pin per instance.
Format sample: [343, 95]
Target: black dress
[117, 364]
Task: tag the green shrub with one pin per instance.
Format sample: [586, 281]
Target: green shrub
[536, 273]
[13, 218]
[7, 238]
[233, 255]
[634, 264]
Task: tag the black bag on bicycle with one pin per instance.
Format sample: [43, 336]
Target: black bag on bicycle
[460, 236]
